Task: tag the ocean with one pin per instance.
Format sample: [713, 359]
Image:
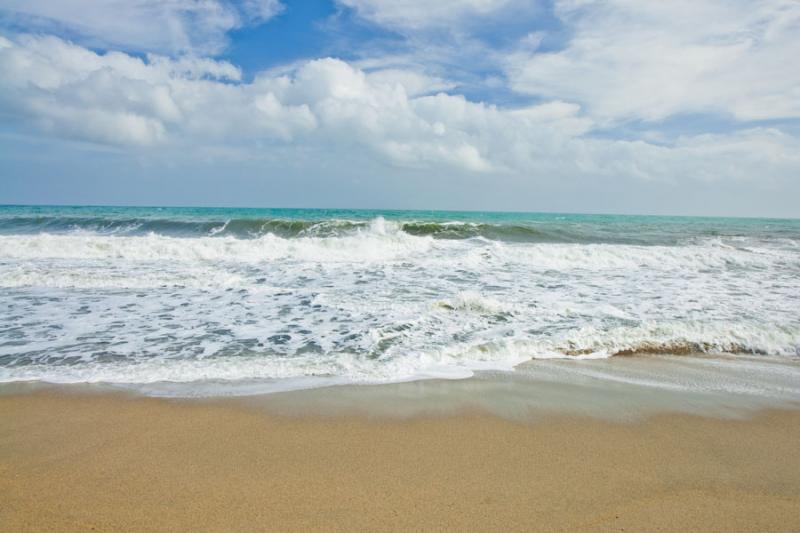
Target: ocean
[207, 301]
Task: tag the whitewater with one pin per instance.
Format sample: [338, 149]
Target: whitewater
[264, 300]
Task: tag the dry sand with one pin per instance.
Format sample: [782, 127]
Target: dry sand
[109, 462]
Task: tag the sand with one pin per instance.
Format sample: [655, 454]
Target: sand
[112, 462]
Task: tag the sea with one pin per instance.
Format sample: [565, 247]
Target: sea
[219, 301]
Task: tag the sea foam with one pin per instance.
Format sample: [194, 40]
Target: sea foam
[380, 300]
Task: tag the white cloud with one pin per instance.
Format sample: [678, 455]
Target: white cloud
[414, 83]
[168, 26]
[419, 14]
[119, 99]
[763, 156]
[336, 109]
[629, 59]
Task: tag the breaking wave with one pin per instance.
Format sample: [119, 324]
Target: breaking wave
[119, 222]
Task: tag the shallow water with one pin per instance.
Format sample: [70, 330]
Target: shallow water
[620, 389]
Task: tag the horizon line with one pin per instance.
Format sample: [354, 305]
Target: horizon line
[386, 209]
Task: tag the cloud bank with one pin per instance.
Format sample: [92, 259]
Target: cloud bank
[114, 98]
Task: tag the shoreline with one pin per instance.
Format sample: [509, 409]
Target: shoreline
[78, 460]
[614, 389]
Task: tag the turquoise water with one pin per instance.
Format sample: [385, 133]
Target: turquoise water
[191, 300]
[510, 226]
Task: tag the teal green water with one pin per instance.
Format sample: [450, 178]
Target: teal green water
[502, 226]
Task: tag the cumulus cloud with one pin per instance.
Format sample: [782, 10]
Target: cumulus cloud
[169, 26]
[633, 60]
[119, 99]
[399, 118]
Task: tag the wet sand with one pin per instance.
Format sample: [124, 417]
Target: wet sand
[108, 462]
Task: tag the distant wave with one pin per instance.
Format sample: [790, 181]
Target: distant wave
[250, 228]
[287, 228]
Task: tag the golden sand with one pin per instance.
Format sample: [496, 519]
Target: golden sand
[114, 463]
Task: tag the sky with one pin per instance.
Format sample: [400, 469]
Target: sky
[599, 106]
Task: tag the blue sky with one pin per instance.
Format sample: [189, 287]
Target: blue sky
[683, 107]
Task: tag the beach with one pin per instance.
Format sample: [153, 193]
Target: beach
[73, 460]
[362, 265]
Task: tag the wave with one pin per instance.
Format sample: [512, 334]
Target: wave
[362, 247]
[498, 232]
[255, 227]
[458, 361]
[379, 243]
[281, 227]
[241, 227]
[680, 338]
